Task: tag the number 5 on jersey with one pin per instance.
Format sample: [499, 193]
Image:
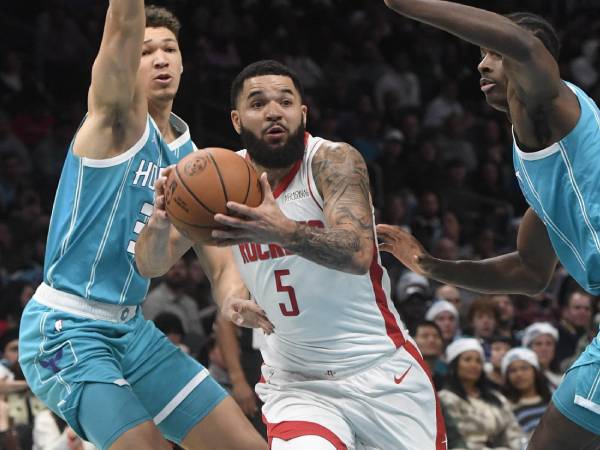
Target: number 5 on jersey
[293, 310]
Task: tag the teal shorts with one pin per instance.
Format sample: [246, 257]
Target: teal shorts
[578, 395]
[104, 378]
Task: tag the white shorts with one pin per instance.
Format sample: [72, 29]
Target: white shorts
[391, 406]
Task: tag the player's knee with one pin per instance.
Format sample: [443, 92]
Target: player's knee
[302, 443]
[145, 436]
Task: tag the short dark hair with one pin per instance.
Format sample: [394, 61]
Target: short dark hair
[169, 323]
[425, 323]
[159, 17]
[542, 29]
[260, 68]
[483, 305]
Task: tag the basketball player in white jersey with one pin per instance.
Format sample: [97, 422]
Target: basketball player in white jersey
[340, 372]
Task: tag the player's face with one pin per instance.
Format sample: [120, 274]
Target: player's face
[521, 375]
[493, 80]
[469, 366]
[160, 66]
[271, 119]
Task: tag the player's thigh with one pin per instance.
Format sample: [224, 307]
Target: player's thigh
[295, 409]
[113, 417]
[556, 432]
[568, 422]
[224, 428]
[395, 402]
[303, 443]
[144, 435]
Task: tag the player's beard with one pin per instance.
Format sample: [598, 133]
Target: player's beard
[274, 156]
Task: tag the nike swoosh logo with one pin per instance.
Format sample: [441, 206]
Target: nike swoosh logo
[399, 379]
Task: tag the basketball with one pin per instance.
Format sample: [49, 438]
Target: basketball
[200, 186]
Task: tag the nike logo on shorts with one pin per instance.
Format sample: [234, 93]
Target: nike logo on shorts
[399, 379]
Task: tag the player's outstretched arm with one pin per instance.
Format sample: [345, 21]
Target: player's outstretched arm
[228, 288]
[115, 68]
[526, 271]
[532, 70]
[346, 243]
[228, 342]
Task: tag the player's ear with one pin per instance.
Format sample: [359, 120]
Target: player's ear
[235, 120]
[304, 114]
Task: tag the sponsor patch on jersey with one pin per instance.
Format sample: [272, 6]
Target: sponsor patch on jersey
[295, 195]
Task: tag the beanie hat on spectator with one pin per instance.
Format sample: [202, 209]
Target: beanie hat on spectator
[394, 134]
[537, 329]
[411, 283]
[441, 306]
[459, 346]
[519, 354]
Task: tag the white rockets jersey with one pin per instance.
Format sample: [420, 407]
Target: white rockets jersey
[327, 322]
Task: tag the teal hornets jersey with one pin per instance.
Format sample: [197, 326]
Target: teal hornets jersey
[99, 210]
[561, 183]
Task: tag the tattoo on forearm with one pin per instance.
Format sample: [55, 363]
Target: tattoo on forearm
[341, 175]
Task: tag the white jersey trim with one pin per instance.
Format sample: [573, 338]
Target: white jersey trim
[116, 160]
[182, 127]
[312, 185]
[181, 396]
[544, 153]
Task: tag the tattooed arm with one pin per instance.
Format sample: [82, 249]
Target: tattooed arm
[346, 243]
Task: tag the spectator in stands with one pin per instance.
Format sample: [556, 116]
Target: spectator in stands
[541, 337]
[526, 387]
[445, 315]
[451, 294]
[483, 416]
[428, 337]
[50, 432]
[506, 314]
[172, 328]
[413, 297]
[169, 296]
[499, 346]
[482, 319]
[575, 322]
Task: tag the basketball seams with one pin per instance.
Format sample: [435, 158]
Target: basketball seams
[249, 182]
[194, 196]
[223, 188]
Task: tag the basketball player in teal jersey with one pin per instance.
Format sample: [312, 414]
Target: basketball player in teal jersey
[556, 129]
[86, 350]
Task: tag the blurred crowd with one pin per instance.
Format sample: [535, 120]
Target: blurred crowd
[405, 95]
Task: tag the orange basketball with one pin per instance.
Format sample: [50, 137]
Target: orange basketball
[200, 186]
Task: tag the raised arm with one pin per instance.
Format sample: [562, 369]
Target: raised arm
[532, 70]
[526, 271]
[117, 108]
[115, 68]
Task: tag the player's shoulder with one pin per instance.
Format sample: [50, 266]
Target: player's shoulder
[332, 149]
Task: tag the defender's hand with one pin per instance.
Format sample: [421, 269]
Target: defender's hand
[246, 313]
[245, 397]
[404, 247]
